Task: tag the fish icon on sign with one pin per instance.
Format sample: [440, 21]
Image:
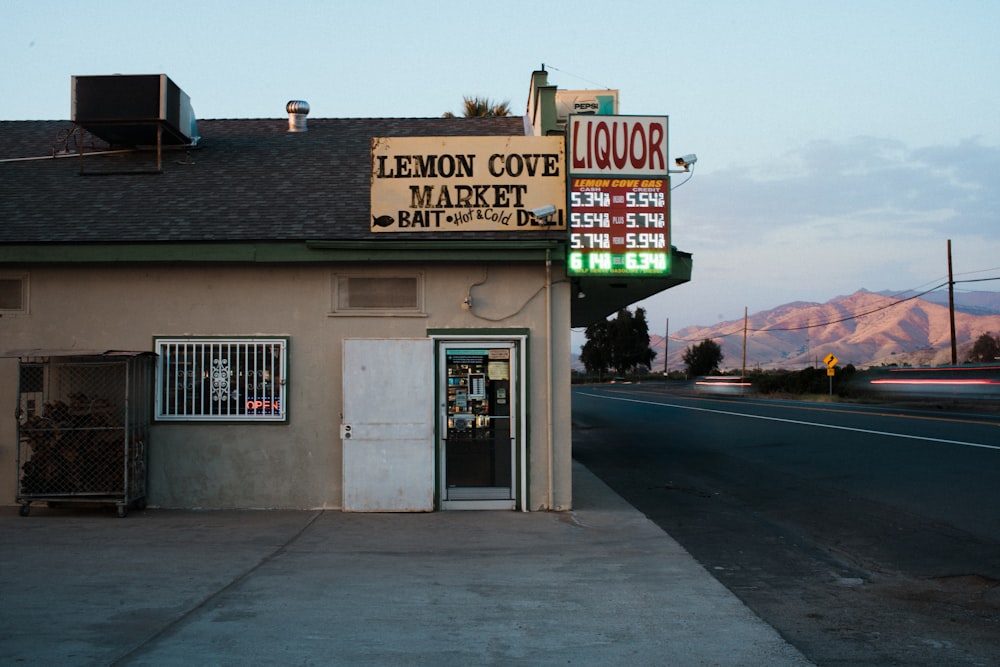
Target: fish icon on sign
[383, 221]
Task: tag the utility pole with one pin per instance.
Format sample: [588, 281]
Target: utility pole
[666, 349]
[743, 373]
[951, 308]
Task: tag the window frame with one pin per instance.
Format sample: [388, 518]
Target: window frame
[168, 407]
[22, 277]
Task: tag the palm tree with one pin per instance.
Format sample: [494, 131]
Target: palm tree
[481, 106]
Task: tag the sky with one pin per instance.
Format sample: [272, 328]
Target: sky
[840, 145]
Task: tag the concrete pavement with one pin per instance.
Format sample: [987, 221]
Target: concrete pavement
[600, 585]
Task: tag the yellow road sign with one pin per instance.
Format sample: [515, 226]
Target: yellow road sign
[830, 371]
[830, 360]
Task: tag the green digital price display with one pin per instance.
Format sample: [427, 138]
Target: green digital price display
[629, 262]
[619, 226]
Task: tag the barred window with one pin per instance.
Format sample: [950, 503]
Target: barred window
[215, 379]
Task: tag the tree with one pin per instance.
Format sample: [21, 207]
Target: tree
[642, 354]
[985, 349]
[630, 341]
[474, 107]
[621, 344]
[703, 358]
[596, 352]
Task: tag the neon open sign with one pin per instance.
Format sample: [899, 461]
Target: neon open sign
[263, 406]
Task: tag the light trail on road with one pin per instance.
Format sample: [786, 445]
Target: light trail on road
[797, 422]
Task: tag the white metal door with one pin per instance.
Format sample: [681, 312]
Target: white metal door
[388, 425]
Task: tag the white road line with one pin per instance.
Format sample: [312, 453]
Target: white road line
[796, 421]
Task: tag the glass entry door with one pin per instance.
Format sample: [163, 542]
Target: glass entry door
[477, 451]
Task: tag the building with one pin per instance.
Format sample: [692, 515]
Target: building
[356, 314]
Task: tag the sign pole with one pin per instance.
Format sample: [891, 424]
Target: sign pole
[831, 364]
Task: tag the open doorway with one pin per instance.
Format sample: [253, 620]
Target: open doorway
[479, 425]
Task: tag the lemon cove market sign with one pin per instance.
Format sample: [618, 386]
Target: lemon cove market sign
[442, 184]
[619, 220]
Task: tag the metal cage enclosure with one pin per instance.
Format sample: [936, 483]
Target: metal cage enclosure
[83, 429]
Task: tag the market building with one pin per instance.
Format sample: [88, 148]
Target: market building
[354, 314]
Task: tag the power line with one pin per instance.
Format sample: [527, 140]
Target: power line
[544, 66]
[969, 273]
[976, 280]
[855, 316]
[739, 329]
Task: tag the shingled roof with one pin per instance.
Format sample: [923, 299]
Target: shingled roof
[245, 181]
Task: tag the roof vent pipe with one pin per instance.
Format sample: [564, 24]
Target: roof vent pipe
[297, 112]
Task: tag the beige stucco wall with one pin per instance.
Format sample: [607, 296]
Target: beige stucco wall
[294, 464]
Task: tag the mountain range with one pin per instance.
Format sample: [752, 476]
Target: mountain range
[864, 329]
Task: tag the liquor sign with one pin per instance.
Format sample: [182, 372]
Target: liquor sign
[619, 214]
[618, 145]
[447, 184]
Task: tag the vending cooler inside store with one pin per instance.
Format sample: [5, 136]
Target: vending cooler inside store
[479, 446]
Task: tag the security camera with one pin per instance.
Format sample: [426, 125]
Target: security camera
[686, 161]
[544, 211]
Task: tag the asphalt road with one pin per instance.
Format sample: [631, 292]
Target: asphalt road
[865, 535]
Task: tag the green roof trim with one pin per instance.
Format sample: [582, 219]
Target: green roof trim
[284, 252]
[410, 250]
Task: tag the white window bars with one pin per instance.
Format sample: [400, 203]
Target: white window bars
[221, 379]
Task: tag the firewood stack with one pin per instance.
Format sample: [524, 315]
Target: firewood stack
[75, 448]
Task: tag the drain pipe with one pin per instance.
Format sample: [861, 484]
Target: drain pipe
[548, 375]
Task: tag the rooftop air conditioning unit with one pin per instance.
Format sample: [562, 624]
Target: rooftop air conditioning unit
[134, 109]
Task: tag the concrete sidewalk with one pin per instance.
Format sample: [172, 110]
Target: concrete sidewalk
[600, 585]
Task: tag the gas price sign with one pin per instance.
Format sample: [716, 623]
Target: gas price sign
[619, 225]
